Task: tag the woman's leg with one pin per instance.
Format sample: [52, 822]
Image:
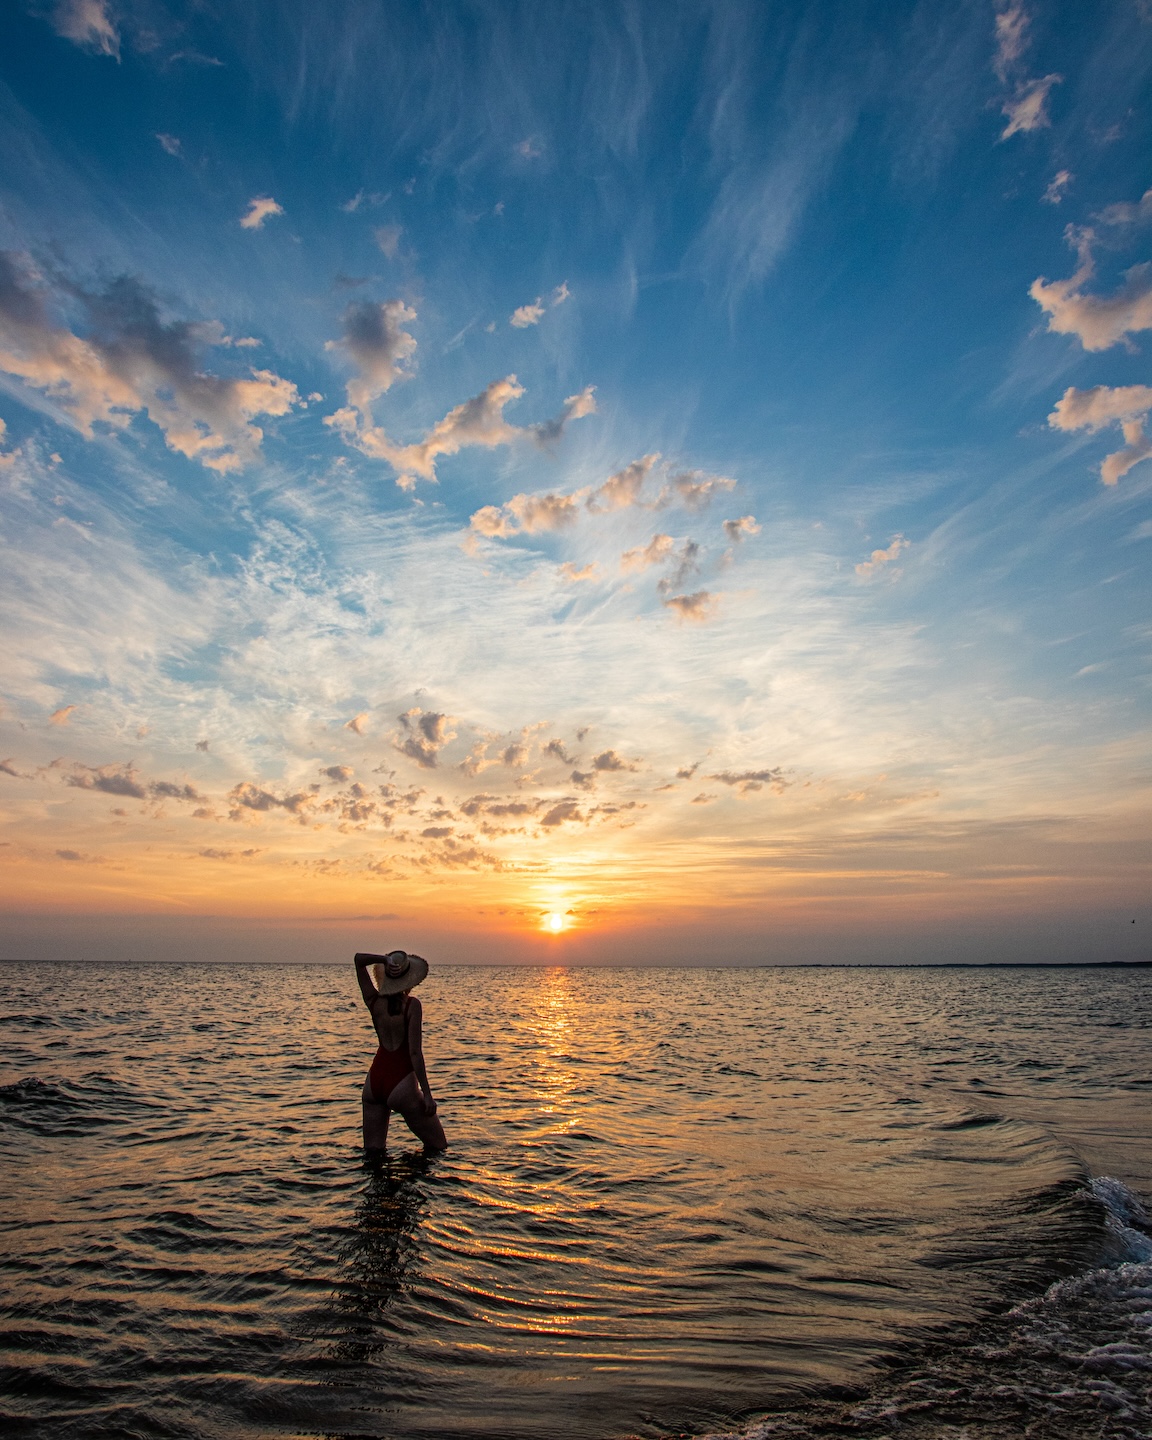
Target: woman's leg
[409, 1100]
[375, 1120]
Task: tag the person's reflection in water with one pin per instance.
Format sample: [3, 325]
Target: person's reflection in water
[374, 1257]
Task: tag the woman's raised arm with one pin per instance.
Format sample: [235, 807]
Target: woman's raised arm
[367, 989]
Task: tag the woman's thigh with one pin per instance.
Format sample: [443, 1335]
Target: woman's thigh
[407, 1099]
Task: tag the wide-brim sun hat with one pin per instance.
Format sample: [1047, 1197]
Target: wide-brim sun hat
[415, 969]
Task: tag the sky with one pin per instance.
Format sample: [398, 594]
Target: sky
[611, 482]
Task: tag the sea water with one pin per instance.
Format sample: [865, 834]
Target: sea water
[676, 1201]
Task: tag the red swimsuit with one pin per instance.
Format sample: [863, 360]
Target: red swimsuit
[390, 1067]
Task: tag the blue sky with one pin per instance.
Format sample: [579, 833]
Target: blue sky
[673, 465]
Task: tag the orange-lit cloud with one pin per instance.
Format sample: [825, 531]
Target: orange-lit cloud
[1123, 405]
[260, 208]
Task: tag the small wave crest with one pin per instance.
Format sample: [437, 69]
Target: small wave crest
[1128, 1222]
[57, 1107]
[1073, 1362]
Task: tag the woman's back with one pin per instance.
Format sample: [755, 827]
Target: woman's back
[391, 1030]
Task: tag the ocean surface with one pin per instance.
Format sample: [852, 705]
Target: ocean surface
[771, 1202]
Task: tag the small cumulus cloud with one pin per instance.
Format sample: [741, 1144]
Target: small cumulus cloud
[387, 238]
[879, 559]
[249, 796]
[687, 563]
[535, 513]
[61, 716]
[525, 315]
[377, 344]
[1102, 405]
[424, 733]
[1012, 23]
[87, 23]
[338, 773]
[1057, 186]
[1027, 109]
[7, 457]
[365, 197]
[561, 813]
[357, 723]
[1098, 321]
[526, 514]
[624, 487]
[202, 745]
[109, 780]
[1125, 213]
[608, 760]
[575, 407]
[8, 767]
[260, 208]
[169, 143]
[573, 574]
[695, 489]
[172, 790]
[529, 149]
[736, 530]
[748, 781]
[697, 608]
[641, 557]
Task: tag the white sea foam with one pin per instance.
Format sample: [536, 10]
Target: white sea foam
[1057, 1366]
[1127, 1219]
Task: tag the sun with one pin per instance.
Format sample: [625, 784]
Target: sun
[554, 922]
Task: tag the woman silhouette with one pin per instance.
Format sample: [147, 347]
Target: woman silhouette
[398, 1079]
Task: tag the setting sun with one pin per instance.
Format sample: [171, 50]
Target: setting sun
[555, 922]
